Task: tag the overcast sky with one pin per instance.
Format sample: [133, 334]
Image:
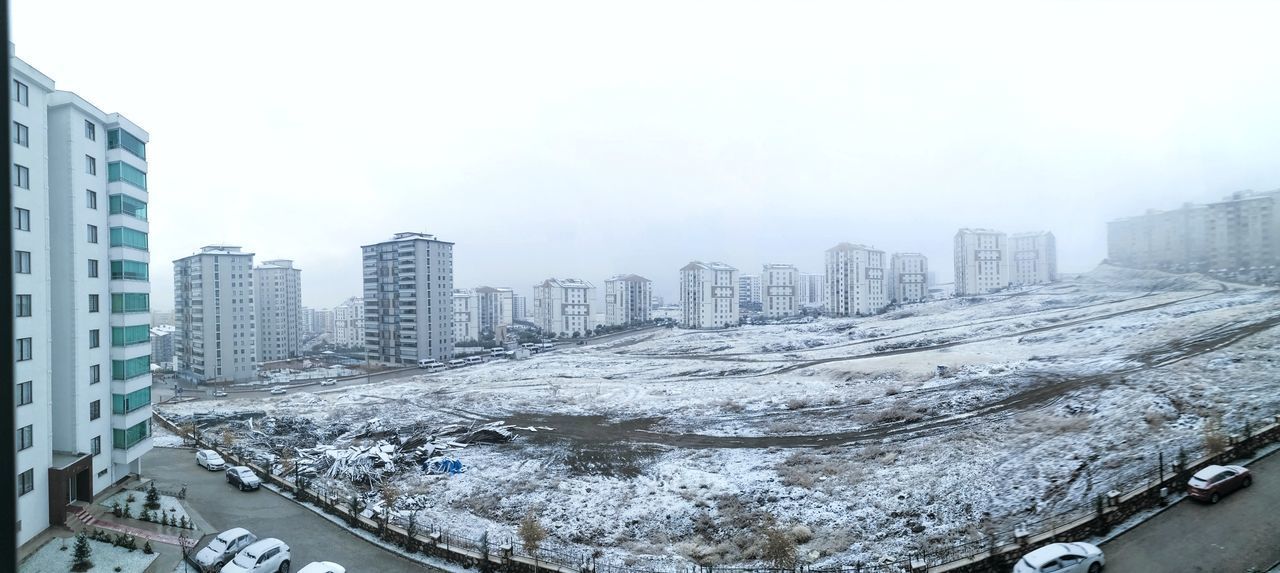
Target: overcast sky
[584, 140]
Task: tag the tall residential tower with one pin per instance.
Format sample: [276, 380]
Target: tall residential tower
[408, 299]
[626, 299]
[278, 303]
[213, 293]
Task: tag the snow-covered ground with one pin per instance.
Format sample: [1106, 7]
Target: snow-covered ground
[106, 558]
[842, 431]
[169, 505]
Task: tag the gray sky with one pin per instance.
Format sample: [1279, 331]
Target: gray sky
[584, 139]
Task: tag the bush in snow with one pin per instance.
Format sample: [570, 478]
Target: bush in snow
[80, 559]
[153, 497]
[531, 532]
[778, 549]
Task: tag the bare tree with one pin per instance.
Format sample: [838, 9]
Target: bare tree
[531, 533]
[779, 549]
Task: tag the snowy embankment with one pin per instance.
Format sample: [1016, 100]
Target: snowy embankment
[839, 431]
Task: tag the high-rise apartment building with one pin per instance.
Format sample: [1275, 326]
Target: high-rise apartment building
[496, 309]
[82, 377]
[708, 295]
[780, 290]
[1033, 258]
[213, 297]
[813, 290]
[278, 303]
[981, 261]
[856, 280]
[348, 323]
[162, 345]
[749, 292]
[466, 315]
[627, 299]
[908, 278]
[519, 307]
[408, 292]
[564, 306]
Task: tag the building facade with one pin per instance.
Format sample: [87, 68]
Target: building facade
[908, 278]
[981, 261]
[495, 305]
[216, 335]
[82, 376]
[408, 292]
[813, 290]
[780, 290]
[519, 307]
[1033, 258]
[563, 306]
[627, 300]
[162, 345]
[348, 323]
[709, 295]
[857, 281]
[466, 315]
[278, 303]
[750, 292]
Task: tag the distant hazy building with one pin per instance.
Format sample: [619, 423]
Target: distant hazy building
[278, 304]
[496, 308]
[627, 299]
[908, 277]
[408, 291]
[856, 280]
[780, 290]
[466, 315]
[519, 307]
[812, 290]
[162, 345]
[159, 318]
[216, 325]
[749, 292]
[981, 261]
[348, 323]
[1033, 258]
[564, 306]
[708, 295]
[323, 321]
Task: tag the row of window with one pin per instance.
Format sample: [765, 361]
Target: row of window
[116, 171]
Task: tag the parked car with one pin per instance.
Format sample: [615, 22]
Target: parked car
[329, 382]
[278, 390]
[243, 478]
[323, 567]
[1213, 482]
[223, 547]
[210, 460]
[268, 555]
[1075, 557]
[219, 394]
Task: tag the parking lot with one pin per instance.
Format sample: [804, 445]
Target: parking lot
[310, 537]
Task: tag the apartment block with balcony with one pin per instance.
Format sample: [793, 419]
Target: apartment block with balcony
[812, 290]
[908, 278]
[709, 295]
[1033, 258]
[857, 280]
[278, 307]
[216, 332]
[627, 299]
[466, 315]
[408, 299]
[348, 323]
[497, 309]
[981, 259]
[780, 290]
[564, 306]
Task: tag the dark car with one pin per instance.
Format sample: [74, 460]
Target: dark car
[243, 478]
[1213, 482]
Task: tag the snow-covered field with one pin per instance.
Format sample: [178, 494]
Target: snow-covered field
[842, 432]
[52, 558]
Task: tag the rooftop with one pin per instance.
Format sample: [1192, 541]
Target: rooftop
[711, 266]
[629, 278]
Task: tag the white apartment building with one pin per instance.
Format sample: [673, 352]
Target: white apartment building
[750, 292]
[519, 307]
[324, 322]
[856, 280]
[82, 311]
[1033, 258]
[497, 312]
[708, 295]
[908, 278]
[627, 299]
[981, 261]
[408, 291]
[278, 303]
[780, 290]
[813, 290]
[563, 306]
[466, 315]
[213, 296]
[348, 323]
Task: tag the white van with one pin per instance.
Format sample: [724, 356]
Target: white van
[475, 360]
[455, 363]
[436, 366]
[497, 351]
[529, 345]
[425, 363]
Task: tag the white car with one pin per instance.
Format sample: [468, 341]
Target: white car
[329, 382]
[278, 390]
[224, 547]
[210, 460]
[1062, 558]
[219, 394]
[268, 555]
[323, 567]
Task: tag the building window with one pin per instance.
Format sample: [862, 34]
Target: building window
[24, 393]
[21, 177]
[95, 445]
[127, 302]
[131, 368]
[92, 233]
[24, 349]
[21, 135]
[125, 439]
[129, 270]
[91, 199]
[127, 237]
[90, 130]
[126, 205]
[23, 308]
[90, 165]
[129, 335]
[21, 219]
[22, 262]
[125, 403]
[25, 436]
[95, 374]
[27, 479]
[119, 138]
[93, 268]
[93, 303]
[120, 171]
[19, 92]
[95, 409]
[94, 338]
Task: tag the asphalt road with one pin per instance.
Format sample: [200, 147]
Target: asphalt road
[1241, 531]
[309, 536]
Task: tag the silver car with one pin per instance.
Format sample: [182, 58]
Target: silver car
[223, 547]
[1075, 557]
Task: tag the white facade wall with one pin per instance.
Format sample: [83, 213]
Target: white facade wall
[519, 307]
[1033, 258]
[780, 290]
[278, 304]
[857, 280]
[981, 261]
[750, 292]
[496, 309]
[564, 306]
[813, 290]
[1239, 235]
[909, 277]
[348, 323]
[466, 315]
[216, 336]
[408, 299]
[627, 299]
[708, 295]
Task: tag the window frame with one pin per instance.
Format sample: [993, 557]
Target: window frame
[22, 262]
[23, 393]
[95, 338]
[94, 271]
[21, 176]
[95, 374]
[21, 219]
[91, 234]
[91, 199]
[26, 479]
[95, 303]
[90, 164]
[21, 93]
[26, 437]
[95, 410]
[21, 134]
[22, 302]
[95, 446]
[24, 344]
[90, 130]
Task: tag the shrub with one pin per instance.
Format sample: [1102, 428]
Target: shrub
[778, 549]
[153, 497]
[80, 560]
[531, 532]
[146, 548]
